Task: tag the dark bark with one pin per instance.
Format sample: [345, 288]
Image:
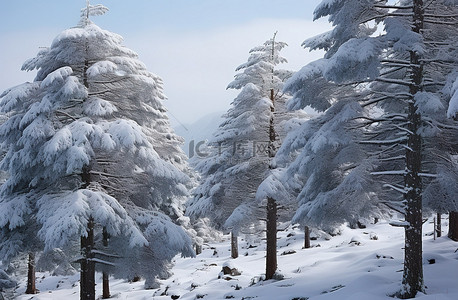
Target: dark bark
[31, 288]
[198, 249]
[306, 237]
[453, 225]
[271, 256]
[412, 280]
[271, 224]
[105, 275]
[234, 245]
[439, 225]
[87, 281]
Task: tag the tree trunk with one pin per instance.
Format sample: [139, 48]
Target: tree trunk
[271, 256]
[105, 275]
[105, 286]
[439, 225]
[198, 249]
[271, 232]
[412, 280]
[31, 289]
[87, 281]
[306, 237]
[453, 226]
[234, 245]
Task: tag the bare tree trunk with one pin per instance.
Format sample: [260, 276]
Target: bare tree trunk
[306, 237]
[31, 288]
[439, 225]
[271, 256]
[453, 226]
[198, 249]
[234, 245]
[87, 281]
[105, 275]
[412, 280]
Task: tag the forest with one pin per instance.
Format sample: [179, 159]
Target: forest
[97, 191]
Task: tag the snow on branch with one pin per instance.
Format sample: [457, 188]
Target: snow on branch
[402, 191]
[428, 175]
[394, 172]
[385, 142]
[101, 261]
[404, 224]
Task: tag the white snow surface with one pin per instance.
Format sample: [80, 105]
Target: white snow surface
[358, 264]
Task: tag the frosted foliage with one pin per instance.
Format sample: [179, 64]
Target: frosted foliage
[166, 240]
[66, 215]
[310, 88]
[440, 194]
[356, 60]
[98, 107]
[342, 154]
[238, 155]
[453, 104]
[403, 38]
[348, 18]
[329, 171]
[322, 41]
[92, 10]
[428, 103]
[17, 206]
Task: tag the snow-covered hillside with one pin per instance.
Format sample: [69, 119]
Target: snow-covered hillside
[358, 264]
[201, 130]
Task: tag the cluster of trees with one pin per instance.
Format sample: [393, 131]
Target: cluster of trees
[384, 140]
[93, 167]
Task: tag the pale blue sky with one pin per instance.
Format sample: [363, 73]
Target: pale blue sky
[194, 45]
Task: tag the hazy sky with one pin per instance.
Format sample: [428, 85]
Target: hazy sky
[194, 45]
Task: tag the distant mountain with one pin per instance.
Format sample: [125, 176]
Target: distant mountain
[199, 131]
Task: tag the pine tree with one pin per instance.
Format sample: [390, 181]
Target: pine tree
[89, 146]
[239, 158]
[400, 69]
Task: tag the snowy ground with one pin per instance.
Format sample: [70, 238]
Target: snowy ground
[358, 264]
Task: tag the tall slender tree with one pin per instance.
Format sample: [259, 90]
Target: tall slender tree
[398, 68]
[239, 160]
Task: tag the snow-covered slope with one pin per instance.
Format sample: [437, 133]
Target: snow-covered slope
[358, 264]
[201, 130]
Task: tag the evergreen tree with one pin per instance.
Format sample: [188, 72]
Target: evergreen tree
[89, 143]
[239, 155]
[399, 69]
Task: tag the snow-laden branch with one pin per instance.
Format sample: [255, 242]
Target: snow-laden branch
[101, 261]
[404, 224]
[402, 191]
[104, 254]
[385, 142]
[427, 175]
[393, 7]
[394, 81]
[393, 172]
[104, 174]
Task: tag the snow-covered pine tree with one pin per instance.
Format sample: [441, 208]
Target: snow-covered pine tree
[89, 143]
[400, 67]
[239, 160]
[330, 173]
